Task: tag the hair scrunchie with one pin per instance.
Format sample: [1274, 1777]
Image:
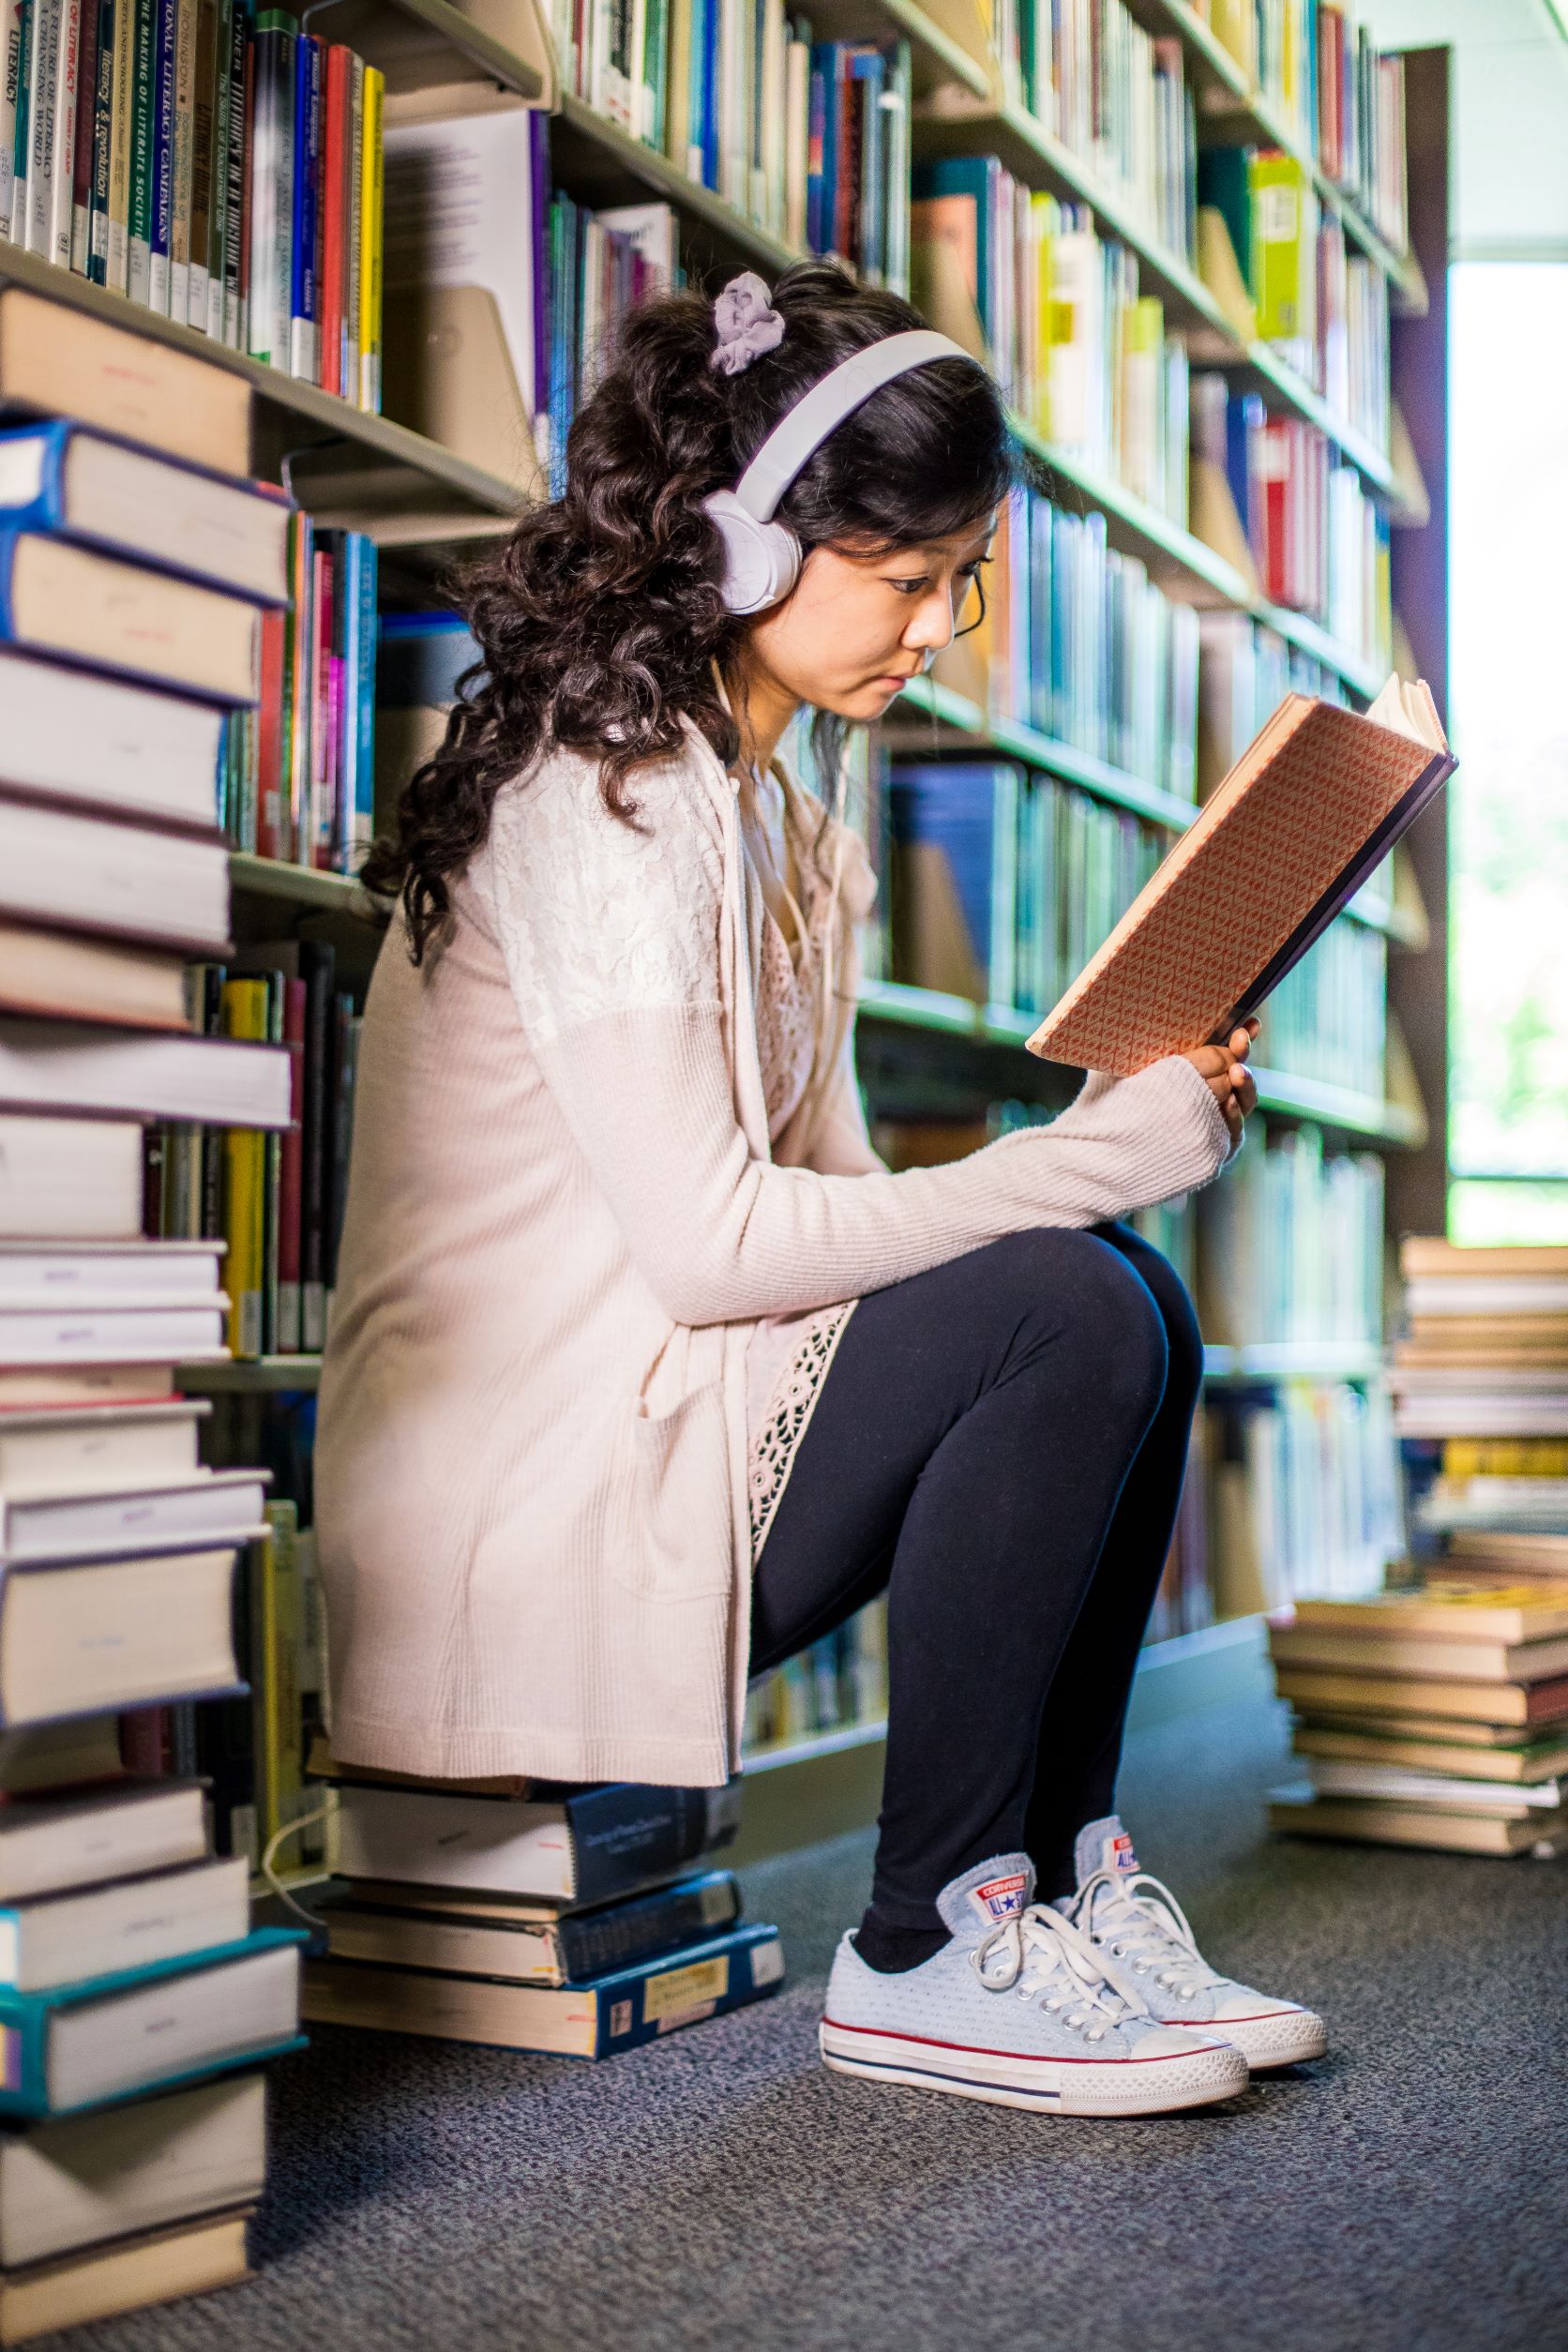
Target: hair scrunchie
[745, 322]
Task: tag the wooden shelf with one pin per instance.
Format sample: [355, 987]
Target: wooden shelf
[303, 887]
[374, 464]
[243, 1375]
[927, 700]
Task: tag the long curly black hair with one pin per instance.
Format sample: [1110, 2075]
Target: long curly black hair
[599, 619]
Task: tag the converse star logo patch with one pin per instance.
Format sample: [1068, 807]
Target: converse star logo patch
[1001, 1898]
[1119, 1855]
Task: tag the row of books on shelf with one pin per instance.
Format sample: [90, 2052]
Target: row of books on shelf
[1304, 1492]
[1115, 95]
[1316, 538]
[1433, 1714]
[274, 1200]
[1078, 641]
[297, 774]
[1293, 1241]
[1340, 97]
[216, 164]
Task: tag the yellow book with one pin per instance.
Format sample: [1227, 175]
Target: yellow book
[245, 1015]
[1519, 1613]
[1043, 224]
[123, 68]
[1284, 247]
[371, 193]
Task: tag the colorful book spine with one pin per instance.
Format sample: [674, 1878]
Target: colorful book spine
[304, 340]
[182, 160]
[141, 159]
[162, 192]
[372, 186]
[81, 175]
[270, 187]
[96, 265]
[127, 23]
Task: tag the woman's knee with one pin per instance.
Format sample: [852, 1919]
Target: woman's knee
[1077, 1287]
[1184, 1335]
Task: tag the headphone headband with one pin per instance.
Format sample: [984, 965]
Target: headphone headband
[820, 411]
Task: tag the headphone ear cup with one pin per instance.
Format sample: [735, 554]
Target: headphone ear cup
[761, 560]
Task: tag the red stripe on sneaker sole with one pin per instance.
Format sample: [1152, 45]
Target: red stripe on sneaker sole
[1019, 2057]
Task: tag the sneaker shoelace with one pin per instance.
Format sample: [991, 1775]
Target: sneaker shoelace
[1139, 1922]
[1042, 1957]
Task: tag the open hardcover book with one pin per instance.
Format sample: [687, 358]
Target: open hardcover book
[1310, 809]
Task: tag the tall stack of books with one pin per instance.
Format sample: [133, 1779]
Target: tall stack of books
[1481, 1370]
[1437, 1717]
[131, 1988]
[534, 1917]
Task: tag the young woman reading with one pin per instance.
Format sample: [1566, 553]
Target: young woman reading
[644, 1373]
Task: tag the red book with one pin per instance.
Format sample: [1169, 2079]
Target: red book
[269, 738]
[291, 1168]
[336, 141]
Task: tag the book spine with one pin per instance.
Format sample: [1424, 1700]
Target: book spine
[82, 137]
[291, 1165]
[182, 160]
[362, 814]
[335, 142]
[593, 1943]
[304, 359]
[326, 675]
[21, 138]
[140, 194]
[625, 1834]
[203, 135]
[97, 264]
[62, 177]
[370, 260]
[317, 968]
[353, 218]
[122, 125]
[245, 1015]
[12, 24]
[161, 200]
[238, 178]
[42, 97]
[707, 1984]
[218, 196]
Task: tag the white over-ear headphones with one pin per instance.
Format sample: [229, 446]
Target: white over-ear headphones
[762, 558]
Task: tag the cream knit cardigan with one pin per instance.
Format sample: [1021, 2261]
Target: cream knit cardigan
[564, 1218]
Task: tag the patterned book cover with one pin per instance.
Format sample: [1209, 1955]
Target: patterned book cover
[1312, 805]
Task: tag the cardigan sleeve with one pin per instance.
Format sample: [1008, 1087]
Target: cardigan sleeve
[611, 939]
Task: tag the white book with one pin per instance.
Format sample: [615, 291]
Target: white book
[98, 1450]
[128, 1632]
[79, 2180]
[1517, 1798]
[96, 874]
[125, 2042]
[51, 1843]
[221, 1081]
[128, 1924]
[77, 737]
[457, 213]
[204, 1508]
[797, 84]
[1469, 1294]
[178, 1333]
[62, 184]
[35, 196]
[110, 1273]
[80, 1177]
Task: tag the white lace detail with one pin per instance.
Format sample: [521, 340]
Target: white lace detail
[593, 915]
[1139, 1922]
[790, 1409]
[786, 1023]
[1042, 1957]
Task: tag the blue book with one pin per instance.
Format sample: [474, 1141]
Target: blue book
[357, 815]
[973, 177]
[706, 53]
[421, 658]
[954, 877]
[828, 57]
[162, 220]
[304, 292]
[868, 66]
[113, 2038]
[595, 2019]
[83, 484]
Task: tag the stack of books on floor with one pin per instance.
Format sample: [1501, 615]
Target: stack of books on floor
[1482, 1372]
[127, 1970]
[1435, 1716]
[534, 1917]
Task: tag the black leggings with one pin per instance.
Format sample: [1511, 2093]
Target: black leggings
[1000, 1443]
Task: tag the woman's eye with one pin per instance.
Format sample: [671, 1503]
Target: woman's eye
[911, 586]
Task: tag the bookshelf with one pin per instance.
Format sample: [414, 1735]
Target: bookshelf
[425, 504]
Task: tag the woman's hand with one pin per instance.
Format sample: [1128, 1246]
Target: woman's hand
[1234, 1087]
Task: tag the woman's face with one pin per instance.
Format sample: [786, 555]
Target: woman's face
[857, 628]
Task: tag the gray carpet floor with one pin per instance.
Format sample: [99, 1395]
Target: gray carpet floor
[1408, 2192]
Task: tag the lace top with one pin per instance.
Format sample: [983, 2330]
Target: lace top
[788, 1355]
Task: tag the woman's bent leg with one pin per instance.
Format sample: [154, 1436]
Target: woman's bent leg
[971, 1443]
[1085, 1715]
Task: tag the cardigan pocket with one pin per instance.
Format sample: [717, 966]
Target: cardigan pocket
[683, 1541]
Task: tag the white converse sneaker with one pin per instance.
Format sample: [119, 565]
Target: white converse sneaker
[1017, 2008]
[1136, 1926]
